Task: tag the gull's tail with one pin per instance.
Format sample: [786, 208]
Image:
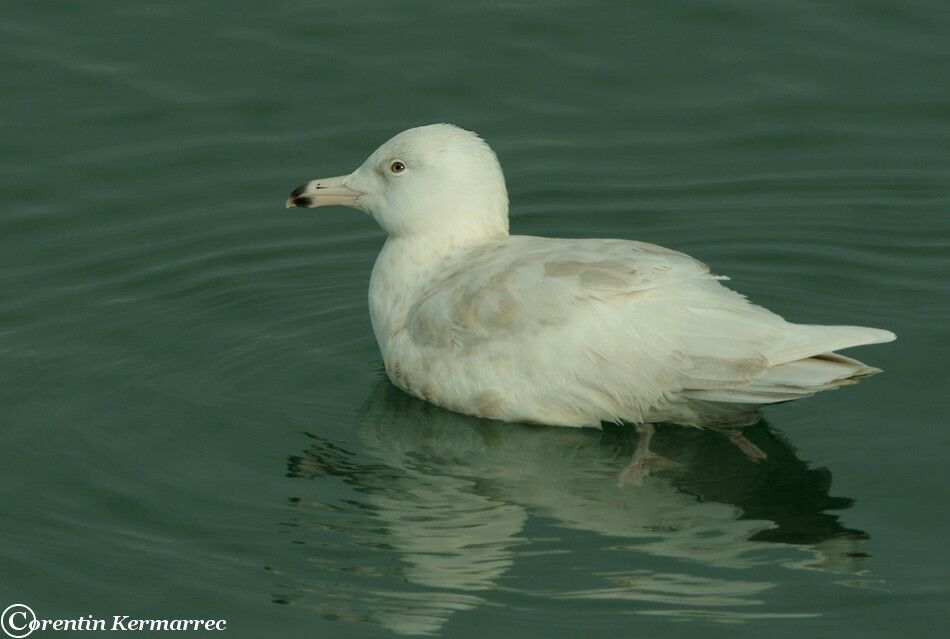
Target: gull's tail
[804, 364]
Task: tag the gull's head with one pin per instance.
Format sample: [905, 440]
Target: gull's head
[435, 179]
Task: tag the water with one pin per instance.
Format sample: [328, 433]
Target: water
[194, 416]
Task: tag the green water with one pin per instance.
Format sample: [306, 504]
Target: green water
[195, 422]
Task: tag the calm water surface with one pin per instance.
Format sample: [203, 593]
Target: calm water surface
[194, 416]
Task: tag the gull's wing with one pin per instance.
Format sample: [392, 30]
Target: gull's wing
[526, 284]
[626, 319]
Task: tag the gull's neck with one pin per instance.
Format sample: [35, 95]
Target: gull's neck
[404, 268]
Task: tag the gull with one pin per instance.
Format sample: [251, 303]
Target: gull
[566, 332]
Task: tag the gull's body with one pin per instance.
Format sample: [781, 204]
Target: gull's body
[557, 331]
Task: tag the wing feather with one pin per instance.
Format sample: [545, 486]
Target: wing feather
[610, 328]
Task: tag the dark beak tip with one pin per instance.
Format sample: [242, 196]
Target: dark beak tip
[298, 199]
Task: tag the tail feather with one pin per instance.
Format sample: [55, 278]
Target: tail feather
[803, 365]
[808, 340]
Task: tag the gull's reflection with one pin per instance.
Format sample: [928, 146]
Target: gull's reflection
[433, 519]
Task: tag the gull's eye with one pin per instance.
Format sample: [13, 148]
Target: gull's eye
[397, 167]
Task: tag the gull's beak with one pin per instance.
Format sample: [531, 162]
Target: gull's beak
[323, 192]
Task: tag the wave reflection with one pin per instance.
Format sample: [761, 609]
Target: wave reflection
[436, 512]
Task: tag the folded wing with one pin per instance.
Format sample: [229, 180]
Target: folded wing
[630, 324]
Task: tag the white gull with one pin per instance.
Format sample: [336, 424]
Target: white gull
[569, 332]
